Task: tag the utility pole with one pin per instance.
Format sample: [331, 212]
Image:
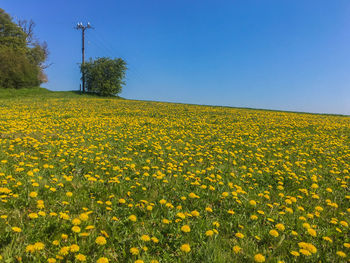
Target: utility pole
[83, 28]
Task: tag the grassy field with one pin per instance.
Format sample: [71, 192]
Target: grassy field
[91, 179]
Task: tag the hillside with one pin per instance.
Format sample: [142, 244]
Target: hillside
[94, 179]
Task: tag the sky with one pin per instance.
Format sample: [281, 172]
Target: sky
[289, 55]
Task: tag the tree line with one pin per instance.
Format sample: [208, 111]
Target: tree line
[22, 56]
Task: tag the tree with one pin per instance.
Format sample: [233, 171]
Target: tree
[22, 56]
[104, 76]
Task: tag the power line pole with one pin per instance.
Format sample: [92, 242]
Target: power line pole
[83, 28]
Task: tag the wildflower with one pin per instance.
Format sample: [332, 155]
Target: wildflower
[185, 228]
[341, 254]
[239, 235]
[39, 246]
[145, 238]
[102, 260]
[259, 258]
[134, 251]
[16, 229]
[76, 229]
[133, 218]
[312, 232]
[100, 240]
[209, 233]
[80, 257]
[74, 248]
[280, 227]
[273, 233]
[295, 253]
[64, 251]
[33, 194]
[236, 249]
[305, 252]
[185, 248]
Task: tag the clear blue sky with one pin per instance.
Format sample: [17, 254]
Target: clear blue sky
[281, 54]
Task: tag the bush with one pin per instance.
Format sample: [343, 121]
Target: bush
[21, 55]
[104, 76]
[16, 71]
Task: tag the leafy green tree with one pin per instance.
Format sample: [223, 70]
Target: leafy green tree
[22, 56]
[104, 76]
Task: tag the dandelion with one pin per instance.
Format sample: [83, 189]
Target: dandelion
[209, 233]
[102, 260]
[259, 258]
[185, 228]
[237, 249]
[80, 257]
[133, 218]
[185, 248]
[100, 240]
[145, 238]
[134, 251]
[341, 254]
[239, 235]
[16, 229]
[273, 233]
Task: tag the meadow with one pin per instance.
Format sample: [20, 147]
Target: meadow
[88, 179]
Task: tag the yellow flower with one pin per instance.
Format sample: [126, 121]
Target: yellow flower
[80, 257]
[273, 233]
[239, 235]
[145, 238]
[51, 260]
[185, 248]
[76, 229]
[208, 209]
[165, 221]
[344, 223]
[312, 232]
[64, 251]
[253, 217]
[33, 215]
[327, 239]
[209, 233]
[39, 246]
[305, 252]
[280, 227]
[185, 228]
[139, 261]
[259, 258]
[135, 251]
[74, 248]
[195, 213]
[236, 249]
[295, 253]
[16, 229]
[76, 221]
[100, 240]
[102, 260]
[252, 202]
[84, 217]
[30, 248]
[33, 194]
[341, 254]
[193, 195]
[133, 218]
